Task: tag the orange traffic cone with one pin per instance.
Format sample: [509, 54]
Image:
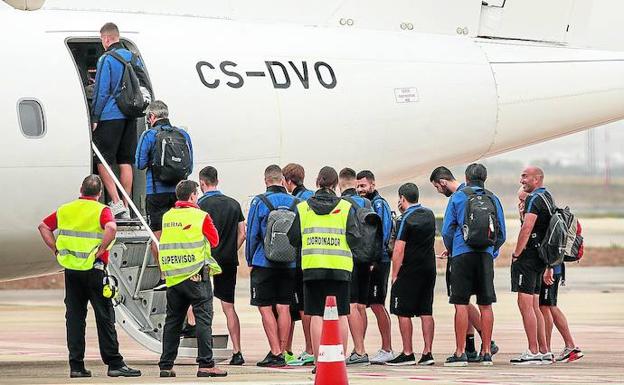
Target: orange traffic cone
[330, 364]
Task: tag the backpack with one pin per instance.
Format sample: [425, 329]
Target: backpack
[578, 248]
[481, 227]
[560, 234]
[386, 245]
[368, 232]
[131, 97]
[277, 247]
[171, 159]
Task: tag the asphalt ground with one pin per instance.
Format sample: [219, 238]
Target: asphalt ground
[32, 341]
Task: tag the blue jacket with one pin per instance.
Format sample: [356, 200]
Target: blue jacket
[143, 156]
[454, 220]
[107, 80]
[302, 193]
[382, 208]
[256, 227]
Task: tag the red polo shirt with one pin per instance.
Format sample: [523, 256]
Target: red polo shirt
[106, 216]
[208, 228]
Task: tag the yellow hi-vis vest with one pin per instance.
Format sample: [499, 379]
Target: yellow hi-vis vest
[323, 238]
[183, 249]
[79, 233]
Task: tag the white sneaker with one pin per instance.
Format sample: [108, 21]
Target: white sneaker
[527, 358]
[382, 357]
[119, 210]
[547, 358]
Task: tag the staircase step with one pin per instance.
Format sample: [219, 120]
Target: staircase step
[151, 276]
[154, 302]
[129, 254]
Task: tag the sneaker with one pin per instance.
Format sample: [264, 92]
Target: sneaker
[272, 361]
[211, 372]
[402, 360]
[123, 371]
[426, 360]
[547, 358]
[527, 358]
[289, 356]
[382, 357]
[167, 373]
[493, 347]
[119, 210]
[456, 361]
[473, 356]
[237, 359]
[304, 359]
[569, 355]
[486, 359]
[160, 286]
[82, 373]
[357, 359]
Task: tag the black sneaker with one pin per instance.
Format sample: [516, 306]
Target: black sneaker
[486, 359]
[237, 359]
[82, 373]
[426, 360]
[402, 360]
[272, 361]
[160, 286]
[123, 371]
[473, 356]
[167, 373]
[493, 347]
[456, 361]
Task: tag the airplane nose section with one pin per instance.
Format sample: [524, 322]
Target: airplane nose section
[546, 91]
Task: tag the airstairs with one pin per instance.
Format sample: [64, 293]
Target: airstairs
[139, 310]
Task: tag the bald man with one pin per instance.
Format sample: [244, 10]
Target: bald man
[527, 268]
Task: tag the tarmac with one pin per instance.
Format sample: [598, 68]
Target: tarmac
[33, 351]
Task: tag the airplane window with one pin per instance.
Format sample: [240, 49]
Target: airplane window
[31, 119]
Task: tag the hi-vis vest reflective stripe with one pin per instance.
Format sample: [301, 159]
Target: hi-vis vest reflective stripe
[323, 238]
[79, 233]
[183, 249]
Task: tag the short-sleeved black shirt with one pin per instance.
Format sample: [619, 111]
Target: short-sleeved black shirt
[537, 203]
[417, 229]
[226, 214]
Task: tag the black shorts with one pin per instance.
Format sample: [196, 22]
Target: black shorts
[360, 282]
[156, 205]
[378, 288]
[297, 302]
[314, 293]
[472, 274]
[412, 294]
[527, 273]
[548, 294]
[225, 283]
[116, 140]
[270, 286]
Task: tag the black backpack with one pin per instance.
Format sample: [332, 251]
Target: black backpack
[171, 156]
[369, 233]
[277, 247]
[560, 235]
[131, 99]
[481, 225]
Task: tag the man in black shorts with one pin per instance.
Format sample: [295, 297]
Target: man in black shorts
[472, 270]
[114, 134]
[160, 197]
[360, 278]
[323, 228]
[527, 268]
[228, 218]
[413, 275]
[445, 183]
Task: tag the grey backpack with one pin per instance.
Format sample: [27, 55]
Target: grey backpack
[277, 247]
[368, 231]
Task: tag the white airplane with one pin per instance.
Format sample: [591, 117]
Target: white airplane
[341, 83]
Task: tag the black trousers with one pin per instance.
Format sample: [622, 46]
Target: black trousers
[82, 287]
[179, 298]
